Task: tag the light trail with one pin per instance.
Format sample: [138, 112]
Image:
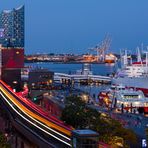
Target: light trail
[20, 106]
[17, 104]
[39, 110]
[33, 119]
[31, 122]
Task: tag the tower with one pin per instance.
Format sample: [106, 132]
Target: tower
[12, 27]
[12, 50]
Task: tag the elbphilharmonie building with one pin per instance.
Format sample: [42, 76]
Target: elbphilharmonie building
[12, 27]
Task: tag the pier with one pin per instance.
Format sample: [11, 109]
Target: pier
[75, 78]
[84, 76]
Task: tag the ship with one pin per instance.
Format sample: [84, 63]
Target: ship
[124, 99]
[110, 58]
[133, 74]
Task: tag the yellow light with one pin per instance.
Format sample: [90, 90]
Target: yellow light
[17, 52]
[50, 81]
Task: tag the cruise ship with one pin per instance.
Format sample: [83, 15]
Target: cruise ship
[133, 74]
[122, 98]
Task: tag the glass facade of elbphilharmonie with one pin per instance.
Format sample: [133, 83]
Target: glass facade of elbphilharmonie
[12, 27]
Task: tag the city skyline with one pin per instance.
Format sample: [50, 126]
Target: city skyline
[74, 26]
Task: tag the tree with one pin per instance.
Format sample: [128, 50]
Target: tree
[3, 141]
[79, 115]
[110, 128]
[74, 100]
[73, 113]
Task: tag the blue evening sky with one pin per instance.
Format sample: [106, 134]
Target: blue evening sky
[72, 26]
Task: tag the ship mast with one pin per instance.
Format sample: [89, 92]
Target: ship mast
[138, 55]
[146, 60]
[123, 56]
[139, 59]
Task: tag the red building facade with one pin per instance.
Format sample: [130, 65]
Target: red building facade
[12, 60]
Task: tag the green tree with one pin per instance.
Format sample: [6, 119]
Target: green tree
[73, 113]
[79, 115]
[110, 128]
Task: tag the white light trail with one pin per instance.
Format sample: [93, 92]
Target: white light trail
[36, 121]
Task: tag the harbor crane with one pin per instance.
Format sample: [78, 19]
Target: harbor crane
[101, 48]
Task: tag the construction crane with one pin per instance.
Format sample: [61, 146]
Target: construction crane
[101, 48]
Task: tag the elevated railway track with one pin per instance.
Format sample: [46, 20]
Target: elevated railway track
[33, 122]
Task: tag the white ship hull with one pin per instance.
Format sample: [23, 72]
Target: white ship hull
[140, 83]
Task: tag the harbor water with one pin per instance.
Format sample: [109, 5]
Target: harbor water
[98, 69]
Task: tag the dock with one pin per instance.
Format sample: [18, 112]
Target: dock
[75, 78]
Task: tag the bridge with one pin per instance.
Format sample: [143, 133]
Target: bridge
[33, 122]
[77, 78]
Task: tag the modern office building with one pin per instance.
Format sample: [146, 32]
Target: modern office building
[12, 49]
[12, 27]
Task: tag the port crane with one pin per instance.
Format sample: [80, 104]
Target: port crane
[101, 48]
